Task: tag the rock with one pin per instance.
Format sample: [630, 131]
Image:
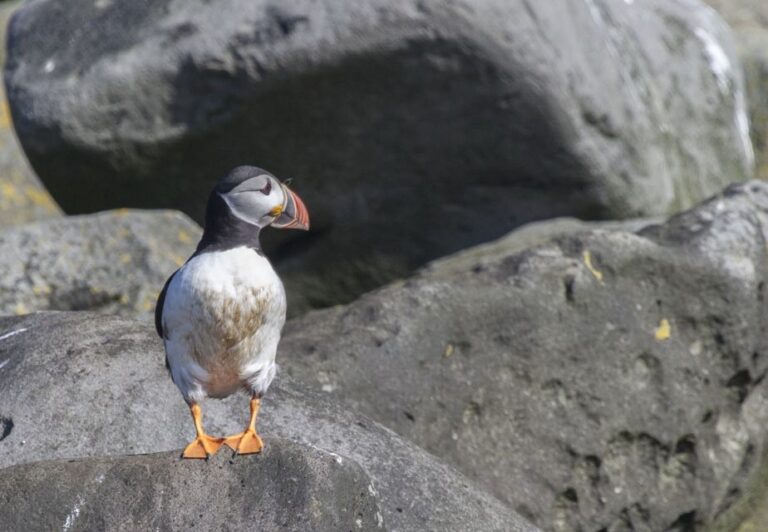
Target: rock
[749, 20]
[22, 197]
[617, 376]
[754, 48]
[288, 487]
[114, 262]
[77, 384]
[413, 129]
[528, 236]
[750, 512]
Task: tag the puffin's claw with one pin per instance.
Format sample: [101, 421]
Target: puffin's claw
[202, 447]
[247, 442]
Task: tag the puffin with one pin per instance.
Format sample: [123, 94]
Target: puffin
[220, 315]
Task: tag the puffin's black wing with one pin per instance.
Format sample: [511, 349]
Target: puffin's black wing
[159, 306]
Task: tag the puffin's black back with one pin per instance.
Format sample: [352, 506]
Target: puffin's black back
[159, 309]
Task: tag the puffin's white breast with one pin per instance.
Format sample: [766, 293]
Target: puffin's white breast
[223, 314]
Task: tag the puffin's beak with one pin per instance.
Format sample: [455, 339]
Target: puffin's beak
[294, 214]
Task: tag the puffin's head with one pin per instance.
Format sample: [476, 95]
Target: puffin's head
[257, 197]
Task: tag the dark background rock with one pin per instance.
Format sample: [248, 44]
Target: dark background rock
[77, 384]
[413, 129]
[619, 377]
[288, 487]
[22, 197]
[112, 262]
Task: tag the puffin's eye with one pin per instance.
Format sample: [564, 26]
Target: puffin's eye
[267, 188]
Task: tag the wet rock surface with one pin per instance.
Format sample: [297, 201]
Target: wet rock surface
[112, 262]
[617, 376]
[289, 486]
[432, 126]
[76, 384]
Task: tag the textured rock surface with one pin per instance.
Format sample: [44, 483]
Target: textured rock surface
[288, 487]
[749, 20]
[114, 261]
[465, 118]
[79, 384]
[617, 376]
[22, 197]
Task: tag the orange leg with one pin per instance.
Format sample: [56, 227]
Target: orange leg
[247, 442]
[203, 446]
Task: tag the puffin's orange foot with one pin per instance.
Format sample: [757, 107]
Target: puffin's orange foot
[203, 447]
[247, 442]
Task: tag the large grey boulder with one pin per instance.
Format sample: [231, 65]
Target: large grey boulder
[413, 129]
[618, 376]
[288, 487]
[113, 262]
[77, 384]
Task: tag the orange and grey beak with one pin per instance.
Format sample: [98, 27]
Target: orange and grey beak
[293, 214]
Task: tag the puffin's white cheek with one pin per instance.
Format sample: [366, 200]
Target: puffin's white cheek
[244, 207]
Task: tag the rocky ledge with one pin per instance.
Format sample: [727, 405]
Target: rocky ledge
[289, 486]
[76, 384]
